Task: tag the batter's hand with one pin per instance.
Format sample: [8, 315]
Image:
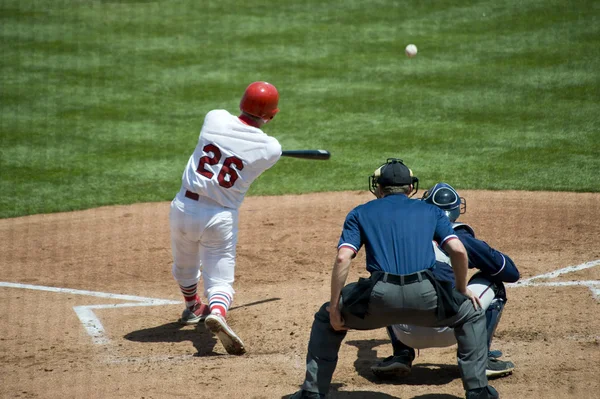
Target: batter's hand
[474, 298]
[335, 319]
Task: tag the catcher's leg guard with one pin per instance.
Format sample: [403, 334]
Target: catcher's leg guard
[399, 348]
[492, 316]
[493, 298]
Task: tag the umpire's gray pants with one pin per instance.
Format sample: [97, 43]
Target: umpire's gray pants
[389, 304]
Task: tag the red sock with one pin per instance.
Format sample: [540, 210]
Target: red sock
[190, 294]
[219, 302]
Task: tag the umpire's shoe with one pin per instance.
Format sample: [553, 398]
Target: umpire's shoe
[497, 368]
[394, 366]
[483, 393]
[306, 395]
[218, 326]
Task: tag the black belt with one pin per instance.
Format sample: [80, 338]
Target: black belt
[403, 280]
[191, 195]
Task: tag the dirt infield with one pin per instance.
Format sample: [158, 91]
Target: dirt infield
[65, 332]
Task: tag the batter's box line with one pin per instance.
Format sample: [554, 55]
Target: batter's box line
[593, 285]
[85, 313]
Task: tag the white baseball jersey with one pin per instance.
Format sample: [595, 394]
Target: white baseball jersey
[229, 156]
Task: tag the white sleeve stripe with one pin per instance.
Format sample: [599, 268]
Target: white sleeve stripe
[451, 236]
[345, 244]
[502, 268]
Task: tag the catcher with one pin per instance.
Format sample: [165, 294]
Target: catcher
[494, 267]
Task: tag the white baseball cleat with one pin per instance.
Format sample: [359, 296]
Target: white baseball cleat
[218, 326]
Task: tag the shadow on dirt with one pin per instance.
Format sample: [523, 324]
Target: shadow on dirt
[336, 394]
[379, 395]
[355, 395]
[202, 339]
[422, 373]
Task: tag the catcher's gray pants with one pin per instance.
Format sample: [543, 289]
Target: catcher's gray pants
[389, 304]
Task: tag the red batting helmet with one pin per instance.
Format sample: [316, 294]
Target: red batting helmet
[260, 99]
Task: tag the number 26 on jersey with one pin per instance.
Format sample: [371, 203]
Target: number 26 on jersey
[228, 172]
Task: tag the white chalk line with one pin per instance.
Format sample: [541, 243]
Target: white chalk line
[565, 270]
[593, 285]
[89, 293]
[85, 313]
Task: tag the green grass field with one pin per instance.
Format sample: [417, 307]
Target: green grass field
[102, 101]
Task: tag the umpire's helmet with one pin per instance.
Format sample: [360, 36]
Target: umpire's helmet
[393, 173]
[260, 100]
[444, 196]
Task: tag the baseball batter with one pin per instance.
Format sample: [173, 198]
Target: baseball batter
[494, 268]
[232, 151]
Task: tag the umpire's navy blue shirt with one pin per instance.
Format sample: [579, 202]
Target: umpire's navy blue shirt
[396, 232]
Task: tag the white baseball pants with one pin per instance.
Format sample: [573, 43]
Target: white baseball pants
[203, 240]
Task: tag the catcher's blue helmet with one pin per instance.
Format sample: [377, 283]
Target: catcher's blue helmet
[444, 196]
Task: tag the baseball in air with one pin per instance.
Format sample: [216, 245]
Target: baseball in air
[411, 50]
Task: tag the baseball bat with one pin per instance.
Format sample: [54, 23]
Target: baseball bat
[307, 154]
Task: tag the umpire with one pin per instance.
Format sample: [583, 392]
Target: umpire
[396, 232]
